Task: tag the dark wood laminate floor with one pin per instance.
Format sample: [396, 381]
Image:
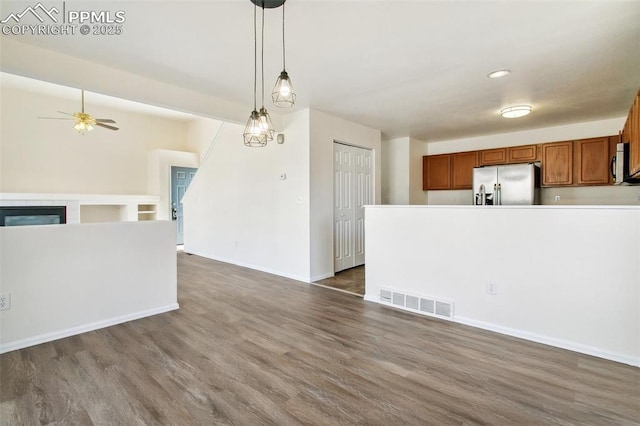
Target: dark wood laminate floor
[350, 280]
[250, 348]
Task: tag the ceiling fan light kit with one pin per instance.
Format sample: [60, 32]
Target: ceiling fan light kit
[259, 128]
[85, 122]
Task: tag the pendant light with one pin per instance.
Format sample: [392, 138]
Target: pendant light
[283, 95]
[254, 134]
[265, 120]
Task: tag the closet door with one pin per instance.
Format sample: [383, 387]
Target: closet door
[344, 210]
[353, 189]
[364, 196]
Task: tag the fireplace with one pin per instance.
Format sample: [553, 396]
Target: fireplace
[32, 215]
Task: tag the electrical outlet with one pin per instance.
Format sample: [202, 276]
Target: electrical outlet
[492, 288]
[556, 198]
[5, 302]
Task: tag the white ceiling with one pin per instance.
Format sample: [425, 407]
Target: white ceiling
[408, 68]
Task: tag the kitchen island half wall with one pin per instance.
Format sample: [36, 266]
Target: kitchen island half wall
[567, 276]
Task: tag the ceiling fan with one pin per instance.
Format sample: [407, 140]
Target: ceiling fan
[84, 121]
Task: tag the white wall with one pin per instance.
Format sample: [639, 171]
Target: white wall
[39, 155]
[402, 171]
[586, 130]
[324, 130]
[568, 277]
[417, 149]
[239, 210]
[200, 135]
[104, 274]
[395, 171]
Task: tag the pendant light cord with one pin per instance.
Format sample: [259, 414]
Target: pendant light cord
[284, 56]
[255, 57]
[262, 53]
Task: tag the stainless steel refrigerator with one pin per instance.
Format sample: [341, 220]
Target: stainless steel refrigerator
[513, 184]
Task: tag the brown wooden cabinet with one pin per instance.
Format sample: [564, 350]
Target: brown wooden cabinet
[522, 154]
[448, 171]
[631, 134]
[436, 172]
[490, 157]
[557, 164]
[462, 165]
[591, 161]
[568, 163]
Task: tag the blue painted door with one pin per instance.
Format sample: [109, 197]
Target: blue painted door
[180, 179]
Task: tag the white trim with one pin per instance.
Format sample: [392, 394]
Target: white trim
[322, 276]
[538, 338]
[251, 266]
[93, 199]
[503, 207]
[558, 343]
[368, 298]
[337, 289]
[61, 334]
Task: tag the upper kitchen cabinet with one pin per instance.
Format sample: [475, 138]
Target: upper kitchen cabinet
[557, 164]
[462, 165]
[631, 134]
[522, 154]
[591, 161]
[510, 155]
[496, 156]
[436, 172]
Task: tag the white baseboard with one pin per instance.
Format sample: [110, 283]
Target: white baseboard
[251, 266]
[538, 338]
[551, 341]
[322, 276]
[61, 334]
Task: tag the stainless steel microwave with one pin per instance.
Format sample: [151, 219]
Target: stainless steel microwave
[620, 166]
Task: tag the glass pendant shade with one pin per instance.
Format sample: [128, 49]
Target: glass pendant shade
[254, 134]
[265, 123]
[283, 95]
[81, 126]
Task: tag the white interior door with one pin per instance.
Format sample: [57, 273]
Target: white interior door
[352, 191]
[363, 196]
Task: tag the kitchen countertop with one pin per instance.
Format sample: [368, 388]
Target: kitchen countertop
[545, 206]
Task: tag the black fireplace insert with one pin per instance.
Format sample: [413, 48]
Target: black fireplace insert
[32, 215]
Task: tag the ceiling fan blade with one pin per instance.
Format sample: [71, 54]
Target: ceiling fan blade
[65, 113]
[106, 126]
[55, 118]
[104, 120]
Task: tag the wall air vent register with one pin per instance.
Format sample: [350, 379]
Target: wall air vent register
[424, 305]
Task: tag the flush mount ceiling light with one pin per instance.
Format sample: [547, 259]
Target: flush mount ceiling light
[515, 111]
[498, 73]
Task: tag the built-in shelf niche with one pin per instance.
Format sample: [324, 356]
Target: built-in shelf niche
[147, 211]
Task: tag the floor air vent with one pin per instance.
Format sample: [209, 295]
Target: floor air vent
[430, 306]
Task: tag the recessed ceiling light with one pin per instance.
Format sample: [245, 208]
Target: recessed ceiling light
[498, 73]
[515, 111]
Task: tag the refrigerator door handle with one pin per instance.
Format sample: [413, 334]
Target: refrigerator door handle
[612, 166]
[499, 195]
